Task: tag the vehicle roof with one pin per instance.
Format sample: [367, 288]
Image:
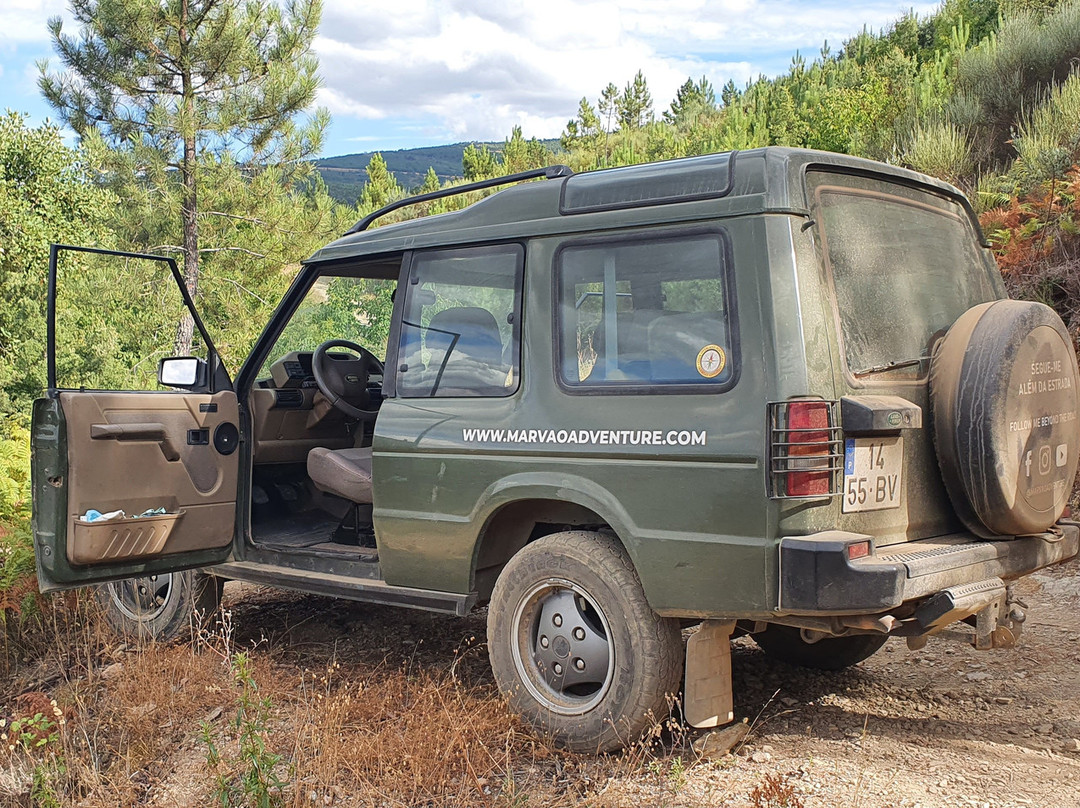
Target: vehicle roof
[767, 180]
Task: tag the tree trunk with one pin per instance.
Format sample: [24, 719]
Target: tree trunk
[188, 205]
[188, 209]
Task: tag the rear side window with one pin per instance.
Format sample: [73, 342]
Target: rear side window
[904, 263]
[460, 332]
[646, 313]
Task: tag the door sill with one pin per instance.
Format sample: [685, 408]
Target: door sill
[351, 587]
[324, 550]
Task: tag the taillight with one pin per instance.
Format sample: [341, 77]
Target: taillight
[808, 449]
[805, 449]
[860, 549]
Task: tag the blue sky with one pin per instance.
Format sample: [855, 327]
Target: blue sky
[404, 73]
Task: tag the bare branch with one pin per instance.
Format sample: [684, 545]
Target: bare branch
[232, 249]
[245, 289]
[251, 219]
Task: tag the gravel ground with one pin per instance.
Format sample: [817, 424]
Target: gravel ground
[943, 727]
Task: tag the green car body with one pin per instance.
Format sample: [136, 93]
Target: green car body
[744, 292]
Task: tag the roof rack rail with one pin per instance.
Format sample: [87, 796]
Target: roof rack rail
[550, 173]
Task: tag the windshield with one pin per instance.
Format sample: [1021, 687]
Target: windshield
[356, 309]
[904, 263]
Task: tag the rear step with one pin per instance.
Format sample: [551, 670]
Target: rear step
[939, 555]
[346, 586]
[958, 602]
[932, 565]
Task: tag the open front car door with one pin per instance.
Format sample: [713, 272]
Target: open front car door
[134, 457]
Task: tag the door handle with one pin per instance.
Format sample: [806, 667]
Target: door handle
[154, 433]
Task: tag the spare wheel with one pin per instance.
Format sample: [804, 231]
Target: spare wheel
[1003, 389]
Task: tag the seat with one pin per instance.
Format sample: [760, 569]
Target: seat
[676, 340]
[632, 357]
[343, 472]
[475, 365]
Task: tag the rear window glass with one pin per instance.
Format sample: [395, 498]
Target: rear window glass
[904, 263]
[646, 312]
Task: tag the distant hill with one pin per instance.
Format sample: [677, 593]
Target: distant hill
[344, 175]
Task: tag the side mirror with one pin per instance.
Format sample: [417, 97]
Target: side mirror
[182, 372]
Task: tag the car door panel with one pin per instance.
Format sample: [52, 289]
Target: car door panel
[171, 453]
[176, 472]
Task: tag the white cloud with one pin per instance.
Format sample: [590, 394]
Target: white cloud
[474, 68]
[25, 21]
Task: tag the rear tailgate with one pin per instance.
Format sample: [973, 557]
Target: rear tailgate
[903, 264]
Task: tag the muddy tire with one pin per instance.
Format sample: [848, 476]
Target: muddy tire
[160, 607]
[786, 644]
[576, 649]
[1003, 389]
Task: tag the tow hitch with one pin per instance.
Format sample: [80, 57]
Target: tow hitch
[1000, 625]
[990, 606]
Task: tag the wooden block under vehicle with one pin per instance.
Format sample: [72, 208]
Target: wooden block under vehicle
[708, 698]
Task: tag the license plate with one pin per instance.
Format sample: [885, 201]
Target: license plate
[872, 473]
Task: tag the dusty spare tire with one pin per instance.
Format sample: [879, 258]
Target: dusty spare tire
[1003, 390]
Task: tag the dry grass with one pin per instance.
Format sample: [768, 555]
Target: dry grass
[391, 710]
[396, 739]
[125, 711]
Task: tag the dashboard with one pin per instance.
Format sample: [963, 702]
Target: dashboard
[290, 417]
[293, 371]
[293, 381]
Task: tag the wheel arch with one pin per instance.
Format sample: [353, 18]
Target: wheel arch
[523, 509]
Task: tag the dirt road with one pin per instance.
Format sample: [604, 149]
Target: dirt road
[389, 708]
[945, 726]
[942, 727]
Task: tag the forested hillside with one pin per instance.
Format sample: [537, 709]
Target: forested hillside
[984, 94]
[346, 175]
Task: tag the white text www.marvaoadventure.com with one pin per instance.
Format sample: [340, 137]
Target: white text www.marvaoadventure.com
[595, 437]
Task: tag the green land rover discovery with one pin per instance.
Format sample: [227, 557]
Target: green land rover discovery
[776, 392]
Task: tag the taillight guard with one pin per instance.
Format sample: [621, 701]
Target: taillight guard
[805, 449]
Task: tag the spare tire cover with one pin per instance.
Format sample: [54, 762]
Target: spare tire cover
[1003, 390]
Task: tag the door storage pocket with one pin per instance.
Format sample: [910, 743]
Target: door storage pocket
[118, 539]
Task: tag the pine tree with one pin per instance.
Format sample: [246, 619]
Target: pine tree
[477, 163]
[431, 182]
[381, 186]
[690, 100]
[520, 154]
[609, 105]
[730, 94]
[635, 104]
[584, 130]
[170, 82]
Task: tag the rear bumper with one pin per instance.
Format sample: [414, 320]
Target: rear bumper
[818, 578]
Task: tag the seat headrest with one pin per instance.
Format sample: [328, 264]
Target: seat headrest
[476, 328]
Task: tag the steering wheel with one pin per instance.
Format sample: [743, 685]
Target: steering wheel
[344, 381]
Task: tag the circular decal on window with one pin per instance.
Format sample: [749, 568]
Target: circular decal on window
[711, 361]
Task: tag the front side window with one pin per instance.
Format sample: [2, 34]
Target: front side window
[460, 330]
[117, 316]
[646, 313]
[905, 264]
